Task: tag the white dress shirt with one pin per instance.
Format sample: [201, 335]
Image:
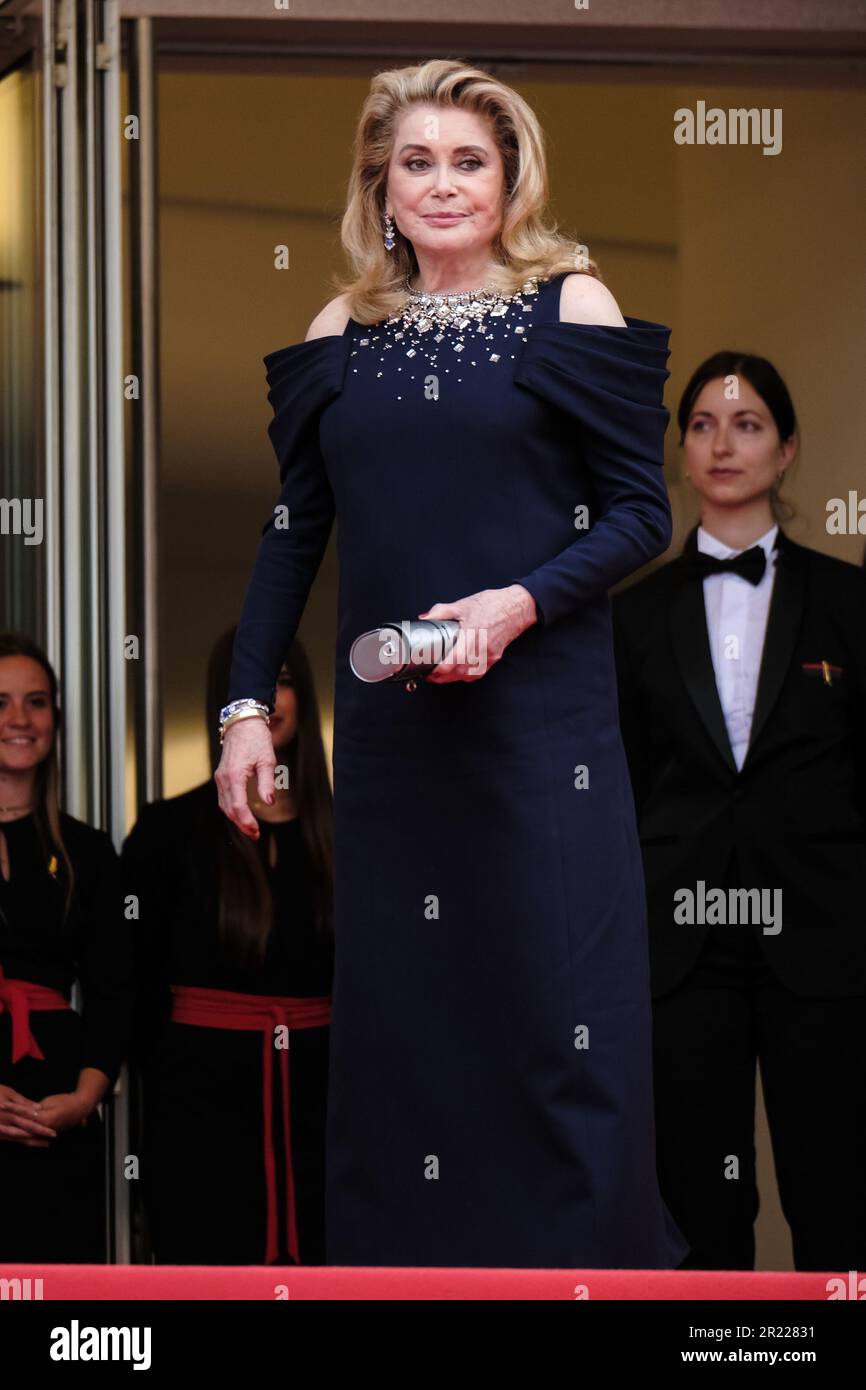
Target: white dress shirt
[736, 625]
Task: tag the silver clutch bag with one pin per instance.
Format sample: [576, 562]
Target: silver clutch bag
[395, 651]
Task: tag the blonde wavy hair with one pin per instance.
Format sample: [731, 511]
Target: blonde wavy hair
[528, 243]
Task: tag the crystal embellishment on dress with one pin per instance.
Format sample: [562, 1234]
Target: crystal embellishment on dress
[461, 321]
[425, 311]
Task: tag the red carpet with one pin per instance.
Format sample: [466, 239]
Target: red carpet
[209, 1282]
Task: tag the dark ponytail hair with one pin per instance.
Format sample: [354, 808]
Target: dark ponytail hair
[763, 378]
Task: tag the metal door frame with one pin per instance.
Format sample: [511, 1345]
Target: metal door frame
[84, 458]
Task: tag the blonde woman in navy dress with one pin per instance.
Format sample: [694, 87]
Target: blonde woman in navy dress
[488, 429]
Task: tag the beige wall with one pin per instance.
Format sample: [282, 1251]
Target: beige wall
[771, 259]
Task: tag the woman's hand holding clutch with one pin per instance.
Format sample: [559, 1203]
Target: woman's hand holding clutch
[489, 621]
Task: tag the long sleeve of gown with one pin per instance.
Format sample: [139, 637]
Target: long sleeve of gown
[610, 381]
[302, 379]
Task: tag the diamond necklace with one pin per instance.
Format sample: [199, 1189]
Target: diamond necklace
[424, 311]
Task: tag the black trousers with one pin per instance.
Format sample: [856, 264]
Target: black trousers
[730, 1014]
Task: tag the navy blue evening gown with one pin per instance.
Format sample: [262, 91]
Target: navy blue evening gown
[490, 1093]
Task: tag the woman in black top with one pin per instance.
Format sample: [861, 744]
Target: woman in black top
[224, 925]
[61, 921]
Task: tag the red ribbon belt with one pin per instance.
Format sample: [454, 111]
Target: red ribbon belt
[222, 1008]
[19, 997]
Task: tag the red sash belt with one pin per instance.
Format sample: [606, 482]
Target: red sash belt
[222, 1008]
[19, 997]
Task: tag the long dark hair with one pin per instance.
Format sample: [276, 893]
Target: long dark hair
[763, 377]
[245, 899]
[46, 814]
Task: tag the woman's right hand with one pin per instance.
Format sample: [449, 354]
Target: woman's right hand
[18, 1122]
[247, 748]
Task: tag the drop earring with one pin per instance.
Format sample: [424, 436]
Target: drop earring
[389, 233]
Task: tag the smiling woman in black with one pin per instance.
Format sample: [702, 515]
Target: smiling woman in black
[61, 922]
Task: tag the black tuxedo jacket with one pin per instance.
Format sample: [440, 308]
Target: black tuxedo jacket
[796, 810]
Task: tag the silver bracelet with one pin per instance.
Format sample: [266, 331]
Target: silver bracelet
[238, 718]
[236, 706]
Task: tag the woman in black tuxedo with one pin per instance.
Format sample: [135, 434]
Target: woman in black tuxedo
[742, 677]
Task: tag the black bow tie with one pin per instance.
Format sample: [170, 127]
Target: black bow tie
[749, 563]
